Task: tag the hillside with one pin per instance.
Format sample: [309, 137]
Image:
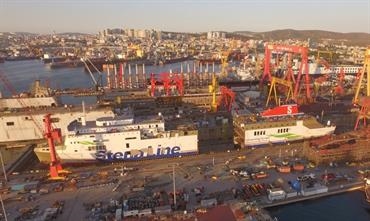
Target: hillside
[361, 39]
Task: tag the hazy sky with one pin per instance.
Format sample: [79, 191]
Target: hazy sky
[46, 16]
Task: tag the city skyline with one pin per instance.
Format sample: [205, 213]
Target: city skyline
[91, 16]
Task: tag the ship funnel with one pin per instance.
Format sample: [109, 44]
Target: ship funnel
[83, 118]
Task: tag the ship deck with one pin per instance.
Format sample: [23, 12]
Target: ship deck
[52, 110]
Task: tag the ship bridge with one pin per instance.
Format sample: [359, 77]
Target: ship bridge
[351, 70]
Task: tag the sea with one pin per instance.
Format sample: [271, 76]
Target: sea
[21, 74]
[350, 206]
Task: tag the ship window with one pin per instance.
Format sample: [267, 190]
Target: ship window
[9, 123]
[130, 138]
[55, 119]
[127, 145]
[76, 150]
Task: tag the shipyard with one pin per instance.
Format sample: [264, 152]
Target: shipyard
[145, 124]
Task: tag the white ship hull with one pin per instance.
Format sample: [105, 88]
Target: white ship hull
[122, 138]
[117, 151]
[19, 126]
[296, 132]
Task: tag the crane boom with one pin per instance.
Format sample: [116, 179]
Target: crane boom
[49, 133]
[10, 87]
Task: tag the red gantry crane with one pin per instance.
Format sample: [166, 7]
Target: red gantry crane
[303, 69]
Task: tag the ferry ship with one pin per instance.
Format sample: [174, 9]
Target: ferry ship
[122, 137]
[281, 124]
[21, 117]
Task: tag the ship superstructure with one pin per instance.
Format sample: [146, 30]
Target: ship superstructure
[122, 137]
[278, 125]
[17, 126]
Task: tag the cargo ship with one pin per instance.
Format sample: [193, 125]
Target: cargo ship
[122, 137]
[66, 64]
[280, 124]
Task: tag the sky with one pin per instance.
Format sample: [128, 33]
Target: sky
[91, 16]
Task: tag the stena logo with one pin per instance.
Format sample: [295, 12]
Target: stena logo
[289, 110]
[139, 154]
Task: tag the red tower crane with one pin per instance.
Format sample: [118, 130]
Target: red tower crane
[153, 82]
[338, 90]
[179, 81]
[165, 78]
[227, 98]
[52, 135]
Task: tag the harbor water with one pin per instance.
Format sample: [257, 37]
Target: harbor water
[21, 74]
[344, 207]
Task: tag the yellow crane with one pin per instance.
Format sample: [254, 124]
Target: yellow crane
[289, 93]
[366, 68]
[225, 57]
[213, 90]
[329, 53]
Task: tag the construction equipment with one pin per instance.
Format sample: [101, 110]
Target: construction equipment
[179, 81]
[225, 59]
[213, 90]
[165, 78]
[289, 75]
[320, 52]
[364, 112]
[366, 68]
[153, 82]
[49, 133]
[303, 69]
[339, 88]
[224, 63]
[98, 84]
[289, 93]
[227, 98]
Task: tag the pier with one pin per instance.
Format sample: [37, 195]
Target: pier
[332, 191]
